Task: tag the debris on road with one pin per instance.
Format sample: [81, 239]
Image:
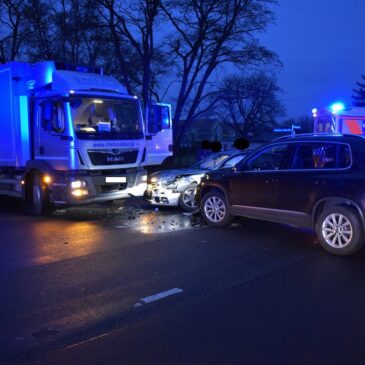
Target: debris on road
[44, 333]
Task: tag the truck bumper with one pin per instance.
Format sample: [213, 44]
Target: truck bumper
[83, 187]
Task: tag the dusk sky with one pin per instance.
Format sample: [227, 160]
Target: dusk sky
[322, 46]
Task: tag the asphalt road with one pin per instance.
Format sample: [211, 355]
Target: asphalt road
[129, 285]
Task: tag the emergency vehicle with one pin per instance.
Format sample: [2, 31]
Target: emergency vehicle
[338, 119]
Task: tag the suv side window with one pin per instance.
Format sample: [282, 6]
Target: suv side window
[344, 156]
[270, 159]
[309, 156]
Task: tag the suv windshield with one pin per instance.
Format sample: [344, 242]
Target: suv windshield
[106, 118]
[211, 162]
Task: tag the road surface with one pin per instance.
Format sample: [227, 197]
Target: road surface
[130, 285]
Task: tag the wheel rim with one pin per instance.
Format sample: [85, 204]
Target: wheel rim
[37, 195]
[215, 209]
[337, 230]
[189, 197]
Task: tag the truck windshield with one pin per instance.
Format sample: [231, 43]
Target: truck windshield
[106, 118]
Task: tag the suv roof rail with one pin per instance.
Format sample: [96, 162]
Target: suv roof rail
[317, 135]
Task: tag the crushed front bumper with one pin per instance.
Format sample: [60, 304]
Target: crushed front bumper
[158, 195]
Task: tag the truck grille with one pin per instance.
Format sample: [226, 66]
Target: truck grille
[112, 188]
[113, 157]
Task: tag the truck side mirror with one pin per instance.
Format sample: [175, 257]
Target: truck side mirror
[52, 117]
[47, 112]
[47, 115]
[158, 117]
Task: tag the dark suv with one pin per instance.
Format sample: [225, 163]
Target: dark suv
[313, 181]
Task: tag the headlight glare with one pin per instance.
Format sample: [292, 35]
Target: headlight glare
[77, 184]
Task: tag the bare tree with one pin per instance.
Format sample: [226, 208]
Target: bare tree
[208, 34]
[13, 31]
[132, 27]
[358, 95]
[66, 30]
[251, 103]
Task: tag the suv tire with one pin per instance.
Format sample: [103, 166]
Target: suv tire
[340, 231]
[215, 209]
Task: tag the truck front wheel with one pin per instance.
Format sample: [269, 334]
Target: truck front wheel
[38, 197]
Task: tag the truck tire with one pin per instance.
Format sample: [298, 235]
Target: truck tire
[340, 231]
[38, 197]
[187, 198]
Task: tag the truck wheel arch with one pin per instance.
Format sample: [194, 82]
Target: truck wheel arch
[39, 166]
[35, 167]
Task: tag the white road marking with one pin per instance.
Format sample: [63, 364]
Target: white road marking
[158, 296]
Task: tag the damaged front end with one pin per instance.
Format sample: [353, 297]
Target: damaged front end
[176, 191]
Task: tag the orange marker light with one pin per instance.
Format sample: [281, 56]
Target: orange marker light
[47, 179]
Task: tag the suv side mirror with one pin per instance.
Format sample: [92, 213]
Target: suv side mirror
[241, 166]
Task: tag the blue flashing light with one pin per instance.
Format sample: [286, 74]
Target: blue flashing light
[24, 127]
[72, 134]
[48, 74]
[337, 107]
[314, 111]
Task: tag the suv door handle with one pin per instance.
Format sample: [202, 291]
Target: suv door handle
[320, 182]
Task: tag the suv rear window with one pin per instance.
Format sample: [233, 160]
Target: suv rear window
[308, 156]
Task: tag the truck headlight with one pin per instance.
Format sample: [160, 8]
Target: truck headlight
[79, 188]
[77, 184]
[144, 178]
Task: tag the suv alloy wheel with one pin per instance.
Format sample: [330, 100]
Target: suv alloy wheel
[215, 210]
[340, 231]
